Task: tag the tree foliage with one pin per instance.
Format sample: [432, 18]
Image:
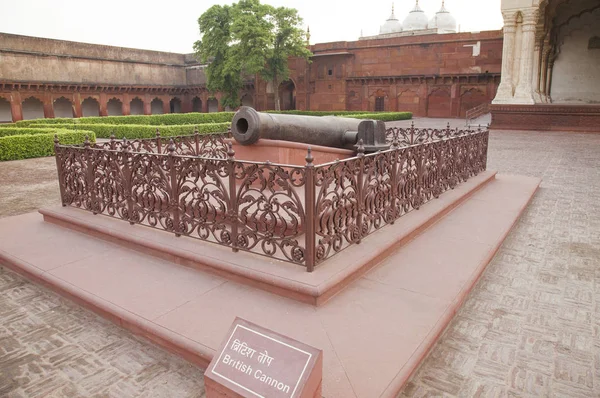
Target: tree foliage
[248, 38]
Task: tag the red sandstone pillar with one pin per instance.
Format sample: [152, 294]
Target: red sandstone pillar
[166, 104]
[16, 107]
[455, 100]
[423, 93]
[393, 102]
[186, 104]
[205, 103]
[126, 105]
[365, 98]
[77, 112]
[103, 104]
[48, 106]
[147, 104]
[219, 105]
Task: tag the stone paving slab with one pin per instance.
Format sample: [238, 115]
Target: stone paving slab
[373, 333]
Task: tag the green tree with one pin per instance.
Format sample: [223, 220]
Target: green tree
[248, 38]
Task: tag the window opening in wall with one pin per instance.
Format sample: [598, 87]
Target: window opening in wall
[379, 104]
[594, 43]
[330, 72]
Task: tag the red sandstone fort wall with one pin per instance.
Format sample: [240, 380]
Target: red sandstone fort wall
[439, 75]
[429, 75]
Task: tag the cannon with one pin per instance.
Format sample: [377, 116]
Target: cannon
[248, 126]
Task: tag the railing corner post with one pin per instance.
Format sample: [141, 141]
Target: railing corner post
[359, 188]
[174, 202]
[61, 176]
[232, 215]
[309, 212]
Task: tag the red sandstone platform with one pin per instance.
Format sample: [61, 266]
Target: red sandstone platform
[373, 333]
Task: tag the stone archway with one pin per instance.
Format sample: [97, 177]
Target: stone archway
[90, 107]
[156, 107]
[175, 105]
[197, 104]
[378, 101]
[439, 103]
[114, 107]
[63, 108]
[33, 108]
[576, 68]
[5, 111]
[287, 95]
[247, 100]
[213, 105]
[136, 106]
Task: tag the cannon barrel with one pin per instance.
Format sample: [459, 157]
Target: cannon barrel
[248, 126]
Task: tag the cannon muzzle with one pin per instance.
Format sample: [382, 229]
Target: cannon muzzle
[248, 126]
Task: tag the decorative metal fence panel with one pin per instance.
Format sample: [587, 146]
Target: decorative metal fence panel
[194, 186]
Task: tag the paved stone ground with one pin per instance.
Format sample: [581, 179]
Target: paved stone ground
[50, 347]
[530, 327]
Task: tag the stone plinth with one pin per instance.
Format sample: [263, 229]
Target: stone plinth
[555, 117]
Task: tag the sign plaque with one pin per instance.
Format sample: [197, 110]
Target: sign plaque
[259, 363]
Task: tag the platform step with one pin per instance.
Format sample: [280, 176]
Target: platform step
[285, 279]
[374, 333]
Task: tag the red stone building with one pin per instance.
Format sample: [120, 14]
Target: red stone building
[409, 67]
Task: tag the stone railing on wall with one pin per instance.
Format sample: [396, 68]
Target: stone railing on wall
[194, 186]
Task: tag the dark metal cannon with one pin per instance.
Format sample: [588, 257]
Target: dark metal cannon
[248, 126]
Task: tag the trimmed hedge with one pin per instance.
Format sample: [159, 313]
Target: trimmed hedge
[152, 120]
[320, 113]
[6, 131]
[134, 131]
[29, 145]
[179, 119]
[386, 117]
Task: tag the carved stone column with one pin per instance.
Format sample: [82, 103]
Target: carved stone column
[505, 89]
[77, 111]
[537, 72]
[16, 106]
[524, 90]
[545, 66]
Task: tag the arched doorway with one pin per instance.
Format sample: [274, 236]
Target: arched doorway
[287, 95]
[156, 107]
[33, 108]
[247, 100]
[136, 107]
[213, 105]
[63, 108]
[575, 74]
[196, 104]
[90, 107]
[175, 105]
[114, 107]
[378, 101]
[5, 111]
[439, 103]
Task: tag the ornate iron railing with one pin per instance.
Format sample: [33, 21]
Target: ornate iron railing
[194, 186]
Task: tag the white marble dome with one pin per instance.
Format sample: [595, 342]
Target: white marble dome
[392, 25]
[416, 19]
[443, 20]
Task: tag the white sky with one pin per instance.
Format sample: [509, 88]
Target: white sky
[173, 25]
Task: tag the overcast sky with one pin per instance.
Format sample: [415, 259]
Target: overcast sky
[173, 25]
